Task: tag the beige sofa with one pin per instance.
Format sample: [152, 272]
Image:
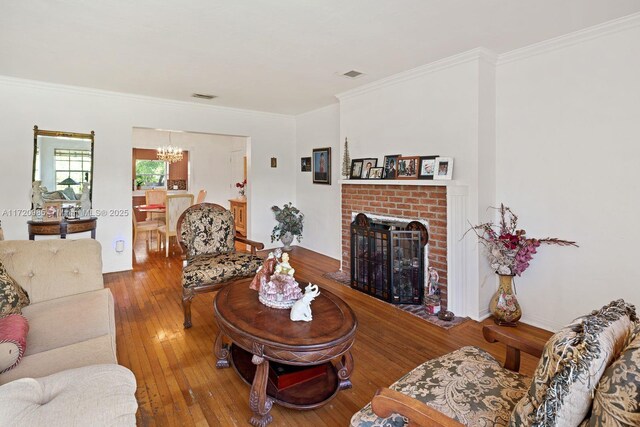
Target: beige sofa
[71, 330]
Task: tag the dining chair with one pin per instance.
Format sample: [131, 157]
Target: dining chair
[201, 195]
[175, 205]
[155, 197]
[148, 227]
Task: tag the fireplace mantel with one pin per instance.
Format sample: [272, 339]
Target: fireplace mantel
[417, 182]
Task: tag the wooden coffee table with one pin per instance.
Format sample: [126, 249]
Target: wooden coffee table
[261, 335]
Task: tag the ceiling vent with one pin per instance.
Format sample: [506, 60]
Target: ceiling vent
[353, 74]
[202, 96]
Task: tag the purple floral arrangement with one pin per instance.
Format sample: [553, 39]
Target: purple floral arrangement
[508, 248]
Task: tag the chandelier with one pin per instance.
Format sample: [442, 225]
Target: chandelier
[169, 153]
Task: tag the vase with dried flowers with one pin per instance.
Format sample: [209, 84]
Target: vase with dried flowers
[509, 251]
[240, 186]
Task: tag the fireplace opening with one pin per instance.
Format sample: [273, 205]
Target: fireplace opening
[388, 259]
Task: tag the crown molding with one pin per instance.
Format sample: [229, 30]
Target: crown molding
[567, 40]
[80, 90]
[477, 54]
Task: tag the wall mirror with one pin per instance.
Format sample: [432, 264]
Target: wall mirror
[63, 161]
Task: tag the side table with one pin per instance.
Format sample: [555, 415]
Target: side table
[62, 228]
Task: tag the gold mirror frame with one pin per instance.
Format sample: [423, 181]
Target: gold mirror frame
[54, 133]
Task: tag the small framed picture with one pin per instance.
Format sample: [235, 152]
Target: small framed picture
[390, 166]
[375, 173]
[322, 165]
[408, 167]
[427, 167]
[367, 164]
[52, 211]
[305, 164]
[356, 168]
[443, 168]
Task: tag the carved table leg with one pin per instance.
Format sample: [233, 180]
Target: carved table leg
[345, 367]
[259, 402]
[221, 350]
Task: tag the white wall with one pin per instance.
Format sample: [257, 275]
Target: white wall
[203, 149]
[320, 203]
[113, 116]
[568, 146]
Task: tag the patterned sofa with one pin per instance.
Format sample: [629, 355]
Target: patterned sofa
[588, 375]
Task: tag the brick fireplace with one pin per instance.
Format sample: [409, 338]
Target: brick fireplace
[412, 202]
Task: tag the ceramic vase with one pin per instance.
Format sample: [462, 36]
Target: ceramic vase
[286, 240]
[504, 305]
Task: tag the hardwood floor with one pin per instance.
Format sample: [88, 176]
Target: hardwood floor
[178, 383]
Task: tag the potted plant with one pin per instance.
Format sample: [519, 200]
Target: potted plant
[139, 182]
[509, 251]
[290, 223]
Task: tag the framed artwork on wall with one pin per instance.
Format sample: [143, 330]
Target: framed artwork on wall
[408, 167]
[305, 164]
[375, 173]
[356, 168]
[427, 167]
[390, 166]
[367, 164]
[322, 165]
[443, 168]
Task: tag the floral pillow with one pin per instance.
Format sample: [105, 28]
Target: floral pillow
[572, 363]
[12, 296]
[617, 398]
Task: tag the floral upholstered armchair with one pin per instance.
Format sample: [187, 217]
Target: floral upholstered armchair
[207, 238]
[588, 375]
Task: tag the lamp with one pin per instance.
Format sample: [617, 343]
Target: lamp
[169, 153]
[68, 182]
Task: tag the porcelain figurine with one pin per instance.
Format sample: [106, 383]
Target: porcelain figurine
[36, 195]
[263, 275]
[85, 202]
[284, 267]
[301, 310]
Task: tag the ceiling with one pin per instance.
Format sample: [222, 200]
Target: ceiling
[279, 56]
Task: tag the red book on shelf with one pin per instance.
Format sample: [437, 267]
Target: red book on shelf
[284, 376]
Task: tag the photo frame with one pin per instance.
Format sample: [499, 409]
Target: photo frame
[443, 168]
[321, 165]
[408, 167]
[427, 167]
[367, 164]
[375, 173]
[356, 168]
[305, 164]
[390, 166]
[52, 212]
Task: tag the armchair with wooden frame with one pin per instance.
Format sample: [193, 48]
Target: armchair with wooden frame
[587, 375]
[207, 238]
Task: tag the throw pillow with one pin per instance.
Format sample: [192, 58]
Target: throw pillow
[12, 296]
[571, 365]
[617, 398]
[13, 340]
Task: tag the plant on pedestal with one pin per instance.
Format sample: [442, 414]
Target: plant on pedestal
[290, 224]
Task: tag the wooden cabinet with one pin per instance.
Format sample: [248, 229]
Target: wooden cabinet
[239, 211]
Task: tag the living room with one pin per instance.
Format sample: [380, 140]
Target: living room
[525, 100]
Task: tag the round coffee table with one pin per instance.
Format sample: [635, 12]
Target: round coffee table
[261, 335]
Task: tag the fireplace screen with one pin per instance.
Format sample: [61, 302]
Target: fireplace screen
[387, 259]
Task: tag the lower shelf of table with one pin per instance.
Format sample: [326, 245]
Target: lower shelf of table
[306, 395]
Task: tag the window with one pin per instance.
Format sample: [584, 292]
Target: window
[74, 164]
[151, 173]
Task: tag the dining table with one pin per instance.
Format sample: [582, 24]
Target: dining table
[151, 208]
